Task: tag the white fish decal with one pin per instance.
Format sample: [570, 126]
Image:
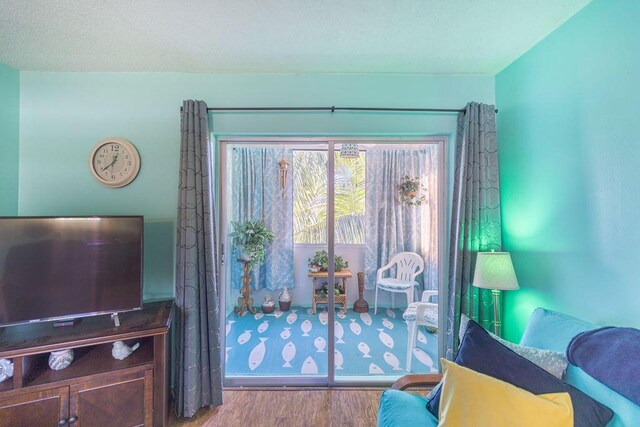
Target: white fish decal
[375, 369]
[342, 315]
[324, 317]
[306, 327]
[320, 344]
[278, 313]
[338, 360]
[421, 337]
[229, 323]
[257, 354]
[355, 327]
[288, 353]
[292, 317]
[258, 316]
[387, 323]
[226, 354]
[263, 326]
[285, 334]
[339, 332]
[309, 366]
[391, 313]
[364, 349]
[423, 357]
[246, 336]
[366, 318]
[385, 338]
[392, 361]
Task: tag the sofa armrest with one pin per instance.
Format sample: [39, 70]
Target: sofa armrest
[417, 380]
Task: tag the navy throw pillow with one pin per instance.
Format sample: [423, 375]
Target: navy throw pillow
[480, 352]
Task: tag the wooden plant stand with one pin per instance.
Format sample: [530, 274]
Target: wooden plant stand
[338, 299]
[245, 301]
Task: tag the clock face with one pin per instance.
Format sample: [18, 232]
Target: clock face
[114, 162]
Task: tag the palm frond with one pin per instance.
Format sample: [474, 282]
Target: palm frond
[310, 198]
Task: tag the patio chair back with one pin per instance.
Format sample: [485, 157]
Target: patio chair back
[408, 265]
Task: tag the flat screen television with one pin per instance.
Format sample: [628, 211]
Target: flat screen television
[54, 268]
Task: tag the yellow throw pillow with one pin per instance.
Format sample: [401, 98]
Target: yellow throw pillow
[473, 399]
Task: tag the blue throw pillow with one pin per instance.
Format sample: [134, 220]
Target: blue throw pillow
[552, 330]
[480, 352]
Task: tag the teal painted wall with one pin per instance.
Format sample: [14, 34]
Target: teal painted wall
[9, 139]
[64, 114]
[570, 169]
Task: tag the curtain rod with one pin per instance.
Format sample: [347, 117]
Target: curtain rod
[334, 108]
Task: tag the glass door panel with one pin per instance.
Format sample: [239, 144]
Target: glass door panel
[386, 227]
[273, 221]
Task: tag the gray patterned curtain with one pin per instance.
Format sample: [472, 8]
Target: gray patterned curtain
[198, 367]
[475, 218]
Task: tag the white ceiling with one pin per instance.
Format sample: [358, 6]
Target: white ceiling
[300, 36]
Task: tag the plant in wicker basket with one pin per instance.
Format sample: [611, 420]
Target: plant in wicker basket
[409, 191]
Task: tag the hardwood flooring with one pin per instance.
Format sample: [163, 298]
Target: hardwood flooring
[291, 408]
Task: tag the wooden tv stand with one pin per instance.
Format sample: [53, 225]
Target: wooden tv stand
[96, 389]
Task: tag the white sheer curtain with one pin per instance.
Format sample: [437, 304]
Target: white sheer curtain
[392, 227]
[257, 195]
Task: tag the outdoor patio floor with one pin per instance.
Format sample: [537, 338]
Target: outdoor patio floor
[294, 343]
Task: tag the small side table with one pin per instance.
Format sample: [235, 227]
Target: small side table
[245, 301]
[339, 299]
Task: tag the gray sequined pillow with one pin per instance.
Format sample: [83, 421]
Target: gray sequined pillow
[551, 361]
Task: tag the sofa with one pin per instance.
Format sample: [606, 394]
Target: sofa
[546, 329]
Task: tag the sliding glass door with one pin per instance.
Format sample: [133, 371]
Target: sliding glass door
[302, 258]
[386, 217]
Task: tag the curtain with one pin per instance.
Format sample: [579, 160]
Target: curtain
[257, 195]
[392, 227]
[475, 218]
[198, 367]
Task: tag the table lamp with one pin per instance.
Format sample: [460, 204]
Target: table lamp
[494, 270]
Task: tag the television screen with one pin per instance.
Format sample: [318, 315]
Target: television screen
[56, 268]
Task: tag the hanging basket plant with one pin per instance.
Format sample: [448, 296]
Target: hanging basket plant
[411, 192]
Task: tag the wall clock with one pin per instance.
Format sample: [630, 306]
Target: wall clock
[114, 162]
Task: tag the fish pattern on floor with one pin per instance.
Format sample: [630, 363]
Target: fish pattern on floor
[295, 343]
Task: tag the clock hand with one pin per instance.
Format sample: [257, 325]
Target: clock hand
[110, 164]
[113, 162]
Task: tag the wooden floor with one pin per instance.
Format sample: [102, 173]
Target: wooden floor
[291, 408]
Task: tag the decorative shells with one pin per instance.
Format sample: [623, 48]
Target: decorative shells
[285, 296]
[121, 351]
[6, 369]
[60, 359]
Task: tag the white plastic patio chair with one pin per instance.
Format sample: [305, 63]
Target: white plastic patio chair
[423, 313]
[408, 266]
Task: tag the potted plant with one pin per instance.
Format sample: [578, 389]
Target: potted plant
[323, 291]
[409, 191]
[320, 262]
[250, 239]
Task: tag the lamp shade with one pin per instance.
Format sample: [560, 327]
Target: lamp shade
[494, 270]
